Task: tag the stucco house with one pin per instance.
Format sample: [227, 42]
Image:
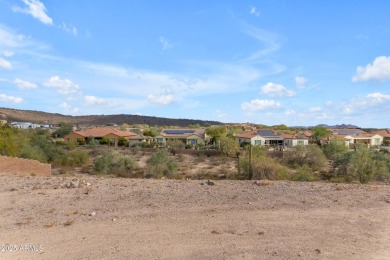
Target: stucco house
[385, 133]
[187, 136]
[368, 139]
[138, 139]
[291, 140]
[260, 137]
[112, 134]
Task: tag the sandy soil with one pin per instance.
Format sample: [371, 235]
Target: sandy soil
[169, 219]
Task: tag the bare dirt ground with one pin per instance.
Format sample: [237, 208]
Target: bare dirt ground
[94, 218]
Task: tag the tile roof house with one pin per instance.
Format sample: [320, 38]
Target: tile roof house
[356, 136]
[386, 135]
[260, 137]
[291, 140]
[187, 136]
[112, 134]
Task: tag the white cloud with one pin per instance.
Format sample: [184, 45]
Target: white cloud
[69, 29]
[276, 90]
[22, 84]
[9, 39]
[260, 104]
[315, 109]
[165, 44]
[92, 101]
[220, 114]
[10, 99]
[379, 70]
[68, 108]
[36, 9]
[161, 99]
[63, 86]
[5, 65]
[300, 82]
[7, 53]
[254, 11]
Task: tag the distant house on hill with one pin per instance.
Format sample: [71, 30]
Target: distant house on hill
[356, 136]
[98, 133]
[187, 136]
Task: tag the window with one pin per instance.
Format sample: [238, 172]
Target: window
[300, 142]
[377, 141]
[257, 142]
[159, 140]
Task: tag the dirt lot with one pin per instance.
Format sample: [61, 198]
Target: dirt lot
[94, 218]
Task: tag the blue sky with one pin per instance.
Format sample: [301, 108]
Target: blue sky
[269, 62]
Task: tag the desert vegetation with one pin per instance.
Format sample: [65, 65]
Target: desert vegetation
[331, 162]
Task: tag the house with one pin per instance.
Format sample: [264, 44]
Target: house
[385, 133]
[291, 140]
[138, 139]
[187, 136]
[368, 139]
[260, 137]
[341, 139]
[24, 125]
[98, 133]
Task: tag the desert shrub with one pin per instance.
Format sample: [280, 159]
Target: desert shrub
[77, 158]
[304, 173]
[364, 165]
[335, 149]
[114, 163]
[123, 141]
[161, 164]
[259, 166]
[310, 155]
[34, 153]
[229, 146]
[176, 144]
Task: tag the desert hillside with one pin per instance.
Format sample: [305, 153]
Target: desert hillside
[54, 118]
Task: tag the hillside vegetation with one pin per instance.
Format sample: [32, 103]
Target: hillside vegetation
[54, 118]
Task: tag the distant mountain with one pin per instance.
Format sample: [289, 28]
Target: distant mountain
[16, 115]
[338, 126]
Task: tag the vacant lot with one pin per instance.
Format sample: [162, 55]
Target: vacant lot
[94, 218]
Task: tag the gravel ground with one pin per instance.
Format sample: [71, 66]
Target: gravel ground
[94, 218]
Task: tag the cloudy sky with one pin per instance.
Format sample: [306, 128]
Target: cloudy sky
[297, 62]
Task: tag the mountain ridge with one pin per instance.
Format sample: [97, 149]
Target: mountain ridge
[15, 115]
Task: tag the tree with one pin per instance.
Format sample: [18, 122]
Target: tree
[123, 141]
[11, 140]
[216, 133]
[229, 146]
[310, 155]
[149, 132]
[64, 129]
[335, 149]
[320, 132]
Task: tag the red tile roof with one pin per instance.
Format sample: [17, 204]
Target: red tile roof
[103, 131]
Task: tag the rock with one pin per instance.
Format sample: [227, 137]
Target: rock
[92, 214]
[211, 183]
[317, 251]
[114, 219]
[73, 184]
[88, 184]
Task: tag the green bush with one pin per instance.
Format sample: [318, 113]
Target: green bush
[77, 158]
[304, 174]
[310, 155]
[364, 165]
[114, 163]
[161, 164]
